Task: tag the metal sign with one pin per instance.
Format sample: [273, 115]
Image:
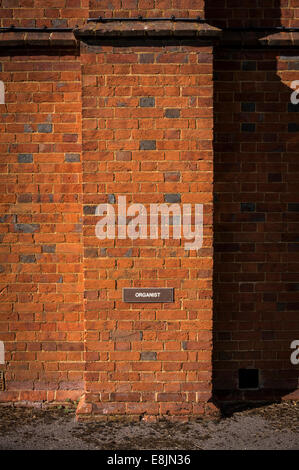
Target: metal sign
[148, 294]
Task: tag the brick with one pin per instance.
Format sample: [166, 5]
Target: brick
[28, 129]
[27, 228]
[27, 259]
[248, 206]
[293, 108]
[45, 128]
[89, 210]
[248, 107]
[148, 356]
[123, 335]
[147, 102]
[248, 127]
[172, 113]
[172, 198]
[249, 65]
[124, 156]
[49, 248]
[146, 58]
[25, 158]
[147, 145]
[72, 157]
[111, 199]
[293, 127]
[293, 207]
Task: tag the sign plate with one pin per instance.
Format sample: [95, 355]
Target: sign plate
[148, 294]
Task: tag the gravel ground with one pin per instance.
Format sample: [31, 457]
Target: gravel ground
[272, 427]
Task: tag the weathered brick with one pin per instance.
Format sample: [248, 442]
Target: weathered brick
[172, 113]
[147, 102]
[27, 259]
[27, 228]
[25, 158]
[172, 198]
[45, 128]
[148, 356]
[89, 210]
[72, 157]
[111, 199]
[49, 248]
[147, 145]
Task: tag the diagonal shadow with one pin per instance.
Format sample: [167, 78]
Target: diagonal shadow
[256, 261]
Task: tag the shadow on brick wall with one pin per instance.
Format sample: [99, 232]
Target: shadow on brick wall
[256, 270]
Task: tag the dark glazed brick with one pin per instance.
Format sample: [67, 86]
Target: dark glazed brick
[293, 127]
[72, 157]
[129, 253]
[25, 198]
[248, 107]
[247, 206]
[111, 199]
[28, 129]
[59, 23]
[45, 128]
[274, 177]
[27, 259]
[248, 127]
[26, 228]
[249, 65]
[268, 335]
[281, 306]
[148, 356]
[147, 145]
[103, 252]
[293, 247]
[146, 58]
[89, 210]
[293, 207]
[293, 108]
[172, 198]
[172, 113]
[148, 102]
[49, 248]
[25, 158]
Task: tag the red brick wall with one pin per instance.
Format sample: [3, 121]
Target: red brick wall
[61, 13]
[153, 358]
[256, 217]
[149, 8]
[54, 276]
[40, 13]
[41, 226]
[232, 13]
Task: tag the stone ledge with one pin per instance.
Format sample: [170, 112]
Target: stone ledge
[38, 39]
[150, 29]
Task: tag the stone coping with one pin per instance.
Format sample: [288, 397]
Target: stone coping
[148, 30]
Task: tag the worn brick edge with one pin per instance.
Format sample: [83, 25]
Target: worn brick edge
[146, 412]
